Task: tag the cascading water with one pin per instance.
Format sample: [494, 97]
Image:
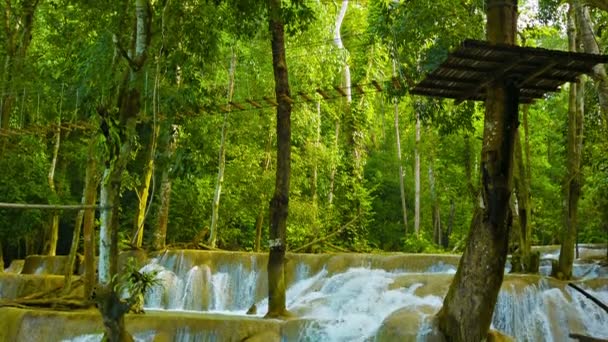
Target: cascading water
[346, 298]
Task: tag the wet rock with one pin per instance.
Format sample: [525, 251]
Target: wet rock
[404, 325]
[266, 336]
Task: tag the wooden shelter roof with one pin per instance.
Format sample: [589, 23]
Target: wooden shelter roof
[466, 73]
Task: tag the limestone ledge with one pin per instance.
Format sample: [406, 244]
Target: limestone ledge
[35, 325]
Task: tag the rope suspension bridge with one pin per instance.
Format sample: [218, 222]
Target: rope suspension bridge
[235, 106]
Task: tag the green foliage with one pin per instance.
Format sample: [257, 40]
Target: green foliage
[23, 180]
[419, 244]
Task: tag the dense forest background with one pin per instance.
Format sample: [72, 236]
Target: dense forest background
[205, 135]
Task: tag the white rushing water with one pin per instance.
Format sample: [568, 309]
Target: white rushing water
[352, 305]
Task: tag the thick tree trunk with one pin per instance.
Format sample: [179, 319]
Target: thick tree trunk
[398, 138]
[468, 306]
[417, 178]
[279, 205]
[215, 208]
[589, 43]
[51, 243]
[91, 184]
[572, 184]
[160, 233]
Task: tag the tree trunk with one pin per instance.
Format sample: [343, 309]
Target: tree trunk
[572, 184]
[143, 193]
[315, 168]
[437, 232]
[468, 306]
[160, 234]
[51, 243]
[339, 45]
[600, 4]
[589, 43]
[279, 205]
[445, 238]
[398, 138]
[417, 178]
[222, 160]
[524, 256]
[91, 184]
[334, 166]
[69, 267]
[119, 144]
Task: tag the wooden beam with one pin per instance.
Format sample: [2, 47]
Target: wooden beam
[460, 67]
[396, 83]
[237, 105]
[323, 93]
[460, 54]
[537, 73]
[340, 90]
[51, 206]
[359, 89]
[490, 78]
[270, 101]
[305, 96]
[377, 85]
[254, 103]
[451, 79]
[287, 99]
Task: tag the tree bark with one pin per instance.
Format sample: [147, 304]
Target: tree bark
[339, 45]
[600, 4]
[222, 160]
[572, 183]
[589, 43]
[417, 178]
[437, 230]
[468, 306]
[398, 138]
[279, 205]
[160, 233]
[445, 241]
[334, 166]
[51, 243]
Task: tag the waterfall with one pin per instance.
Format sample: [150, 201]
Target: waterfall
[359, 297]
